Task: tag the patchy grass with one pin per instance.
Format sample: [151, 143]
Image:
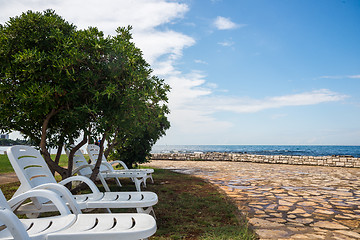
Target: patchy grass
[5, 166]
[9, 189]
[188, 208]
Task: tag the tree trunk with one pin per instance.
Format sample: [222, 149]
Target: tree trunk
[98, 162]
[72, 153]
[57, 157]
[52, 165]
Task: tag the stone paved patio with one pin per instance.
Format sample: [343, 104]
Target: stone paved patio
[286, 201]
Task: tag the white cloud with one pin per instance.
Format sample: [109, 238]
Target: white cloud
[155, 44]
[223, 23]
[189, 115]
[242, 105]
[186, 88]
[211, 85]
[195, 95]
[331, 77]
[354, 76]
[200, 61]
[215, 1]
[106, 14]
[227, 43]
[341, 77]
[307, 98]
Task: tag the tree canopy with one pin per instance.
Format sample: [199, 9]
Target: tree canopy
[58, 83]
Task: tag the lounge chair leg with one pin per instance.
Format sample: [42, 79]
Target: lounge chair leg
[103, 182]
[152, 213]
[118, 182]
[149, 210]
[137, 184]
[144, 182]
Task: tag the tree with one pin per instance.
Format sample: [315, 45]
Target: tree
[49, 74]
[37, 64]
[58, 83]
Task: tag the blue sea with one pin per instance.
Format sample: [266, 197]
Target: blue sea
[293, 150]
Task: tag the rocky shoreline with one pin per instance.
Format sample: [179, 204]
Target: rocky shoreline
[329, 161]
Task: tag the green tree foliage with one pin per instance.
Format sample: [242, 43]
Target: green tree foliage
[58, 83]
[133, 147]
[37, 60]
[144, 121]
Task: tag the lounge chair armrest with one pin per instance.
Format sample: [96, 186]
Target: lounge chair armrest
[108, 166]
[119, 162]
[12, 222]
[52, 196]
[76, 170]
[86, 180]
[64, 193]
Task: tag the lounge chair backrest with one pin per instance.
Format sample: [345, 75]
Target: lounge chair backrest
[30, 167]
[93, 151]
[80, 160]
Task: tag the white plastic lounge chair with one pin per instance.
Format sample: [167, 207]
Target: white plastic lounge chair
[81, 167]
[67, 226]
[94, 150]
[106, 171]
[32, 171]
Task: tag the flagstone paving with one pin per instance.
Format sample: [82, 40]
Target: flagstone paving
[286, 201]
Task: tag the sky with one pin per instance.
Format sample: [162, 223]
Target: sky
[275, 72]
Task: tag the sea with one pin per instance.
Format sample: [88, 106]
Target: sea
[3, 149]
[293, 150]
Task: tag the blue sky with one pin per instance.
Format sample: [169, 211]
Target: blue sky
[241, 71]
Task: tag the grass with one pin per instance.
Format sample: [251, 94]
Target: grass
[5, 166]
[188, 207]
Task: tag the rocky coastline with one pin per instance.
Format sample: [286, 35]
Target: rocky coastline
[330, 161]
